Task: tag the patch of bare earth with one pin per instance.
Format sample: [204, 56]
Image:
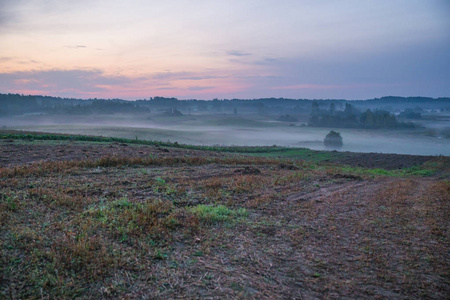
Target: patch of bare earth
[13, 153]
[128, 228]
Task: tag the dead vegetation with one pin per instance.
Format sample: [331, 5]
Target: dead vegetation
[186, 226]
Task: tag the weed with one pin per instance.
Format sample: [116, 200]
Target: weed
[160, 181]
[9, 202]
[122, 203]
[158, 254]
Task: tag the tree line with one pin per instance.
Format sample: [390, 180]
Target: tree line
[14, 104]
[351, 117]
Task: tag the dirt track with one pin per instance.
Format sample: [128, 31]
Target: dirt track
[357, 239]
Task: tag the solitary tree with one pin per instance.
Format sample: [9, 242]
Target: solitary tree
[333, 138]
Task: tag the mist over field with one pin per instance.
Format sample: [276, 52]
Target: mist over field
[248, 130]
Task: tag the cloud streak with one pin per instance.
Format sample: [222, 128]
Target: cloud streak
[96, 84]
[200, 88]
[238, 53]
[76, 47]
[62, 82]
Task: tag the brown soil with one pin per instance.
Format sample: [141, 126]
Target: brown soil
[13, 153]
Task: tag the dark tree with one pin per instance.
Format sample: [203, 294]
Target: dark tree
[333, 139]
[315, 110]
[332, 109]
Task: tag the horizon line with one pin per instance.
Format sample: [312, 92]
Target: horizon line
[227, 99]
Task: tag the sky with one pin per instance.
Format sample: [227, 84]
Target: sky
[205, 49]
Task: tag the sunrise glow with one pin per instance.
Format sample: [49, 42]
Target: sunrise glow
[225, 49]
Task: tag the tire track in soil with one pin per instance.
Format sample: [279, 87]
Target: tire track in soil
[328, 244]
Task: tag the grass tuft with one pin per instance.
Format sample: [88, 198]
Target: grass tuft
[212, 214]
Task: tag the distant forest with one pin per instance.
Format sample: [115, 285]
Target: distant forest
[373, 113]
[351, 117]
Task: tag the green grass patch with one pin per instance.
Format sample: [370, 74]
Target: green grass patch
[296, 153]
[213, 214]
[124, 218]
[413, 171]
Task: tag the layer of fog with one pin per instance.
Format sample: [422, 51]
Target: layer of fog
[204, 131]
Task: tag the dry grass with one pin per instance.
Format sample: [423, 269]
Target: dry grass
[218, 227]
[42, 168]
